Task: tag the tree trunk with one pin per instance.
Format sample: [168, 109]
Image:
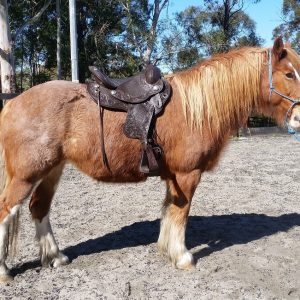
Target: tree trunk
[6, 59]
[22, 65]
[158, 7]
[226, 25]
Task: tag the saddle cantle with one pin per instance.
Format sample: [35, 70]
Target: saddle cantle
[143, 97]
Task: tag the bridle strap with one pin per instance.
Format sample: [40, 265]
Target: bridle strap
[272, 89]
[270, 74]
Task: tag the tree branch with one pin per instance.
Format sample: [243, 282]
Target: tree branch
[32, 20]
[127, 10]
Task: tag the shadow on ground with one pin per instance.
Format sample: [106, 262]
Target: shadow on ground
[218, 232]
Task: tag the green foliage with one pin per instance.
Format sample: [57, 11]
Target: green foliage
[219, 26]
[112, 35]
[215, 27]
[115, 35]
[290, 28]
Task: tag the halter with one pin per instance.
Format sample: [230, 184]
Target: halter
[272, 89]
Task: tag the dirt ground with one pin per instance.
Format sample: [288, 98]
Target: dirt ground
[244, 231]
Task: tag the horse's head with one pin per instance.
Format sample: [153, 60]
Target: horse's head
[281, 85]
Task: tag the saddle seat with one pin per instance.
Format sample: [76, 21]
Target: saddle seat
[142, 96]
[133, 89]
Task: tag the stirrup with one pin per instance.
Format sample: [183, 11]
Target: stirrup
[150, 160]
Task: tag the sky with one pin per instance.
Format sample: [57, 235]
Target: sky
[266, 14]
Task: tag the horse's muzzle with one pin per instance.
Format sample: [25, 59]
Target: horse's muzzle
[294, 120]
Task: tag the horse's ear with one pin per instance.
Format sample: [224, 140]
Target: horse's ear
[287, 45]
[278, 48]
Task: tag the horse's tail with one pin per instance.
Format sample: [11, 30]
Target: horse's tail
[14, 224]
[3, 173]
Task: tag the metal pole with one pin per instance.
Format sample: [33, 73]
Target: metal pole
[73, 37]
[58, 42]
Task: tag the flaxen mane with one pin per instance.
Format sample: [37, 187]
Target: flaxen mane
[222, 89]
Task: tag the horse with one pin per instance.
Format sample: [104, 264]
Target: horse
[56, 122]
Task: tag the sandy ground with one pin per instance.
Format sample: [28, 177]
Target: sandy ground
[244, 231]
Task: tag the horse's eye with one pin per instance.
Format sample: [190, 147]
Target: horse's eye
[290, 75]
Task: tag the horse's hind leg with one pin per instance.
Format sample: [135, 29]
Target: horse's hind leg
[39, 206]
[171, 242]
[15, 193]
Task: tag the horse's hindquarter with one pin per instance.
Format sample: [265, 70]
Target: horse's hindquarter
[29, 132]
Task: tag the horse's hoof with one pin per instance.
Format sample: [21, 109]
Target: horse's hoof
[186, 262]
[62, 260]
[6, 278]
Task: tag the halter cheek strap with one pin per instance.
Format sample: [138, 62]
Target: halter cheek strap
[272, 89]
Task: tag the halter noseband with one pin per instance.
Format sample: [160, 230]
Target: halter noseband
[272, 89]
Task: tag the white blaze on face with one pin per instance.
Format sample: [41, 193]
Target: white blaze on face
[295, 71]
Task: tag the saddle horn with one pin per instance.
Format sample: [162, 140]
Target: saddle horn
[152, 74]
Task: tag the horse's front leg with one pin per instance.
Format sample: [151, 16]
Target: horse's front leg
[171, 242]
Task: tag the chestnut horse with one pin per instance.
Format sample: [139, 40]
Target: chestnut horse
[57, 122]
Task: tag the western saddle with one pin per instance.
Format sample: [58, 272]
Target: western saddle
[143, 97]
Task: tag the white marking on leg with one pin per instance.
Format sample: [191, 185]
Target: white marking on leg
[49, 251]
[4, 230]
[4, 272]
[186, 261]
[3, 248]
[172, 242]
[4, 239]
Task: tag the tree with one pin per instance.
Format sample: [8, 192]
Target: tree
[290, 28]
[21, 24]
[106, 31]
[143, 26]
[6, 57]
[216, 27]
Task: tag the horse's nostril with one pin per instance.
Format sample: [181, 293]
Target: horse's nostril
[297, 118]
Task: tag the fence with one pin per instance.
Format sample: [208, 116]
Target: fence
[5, 96]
